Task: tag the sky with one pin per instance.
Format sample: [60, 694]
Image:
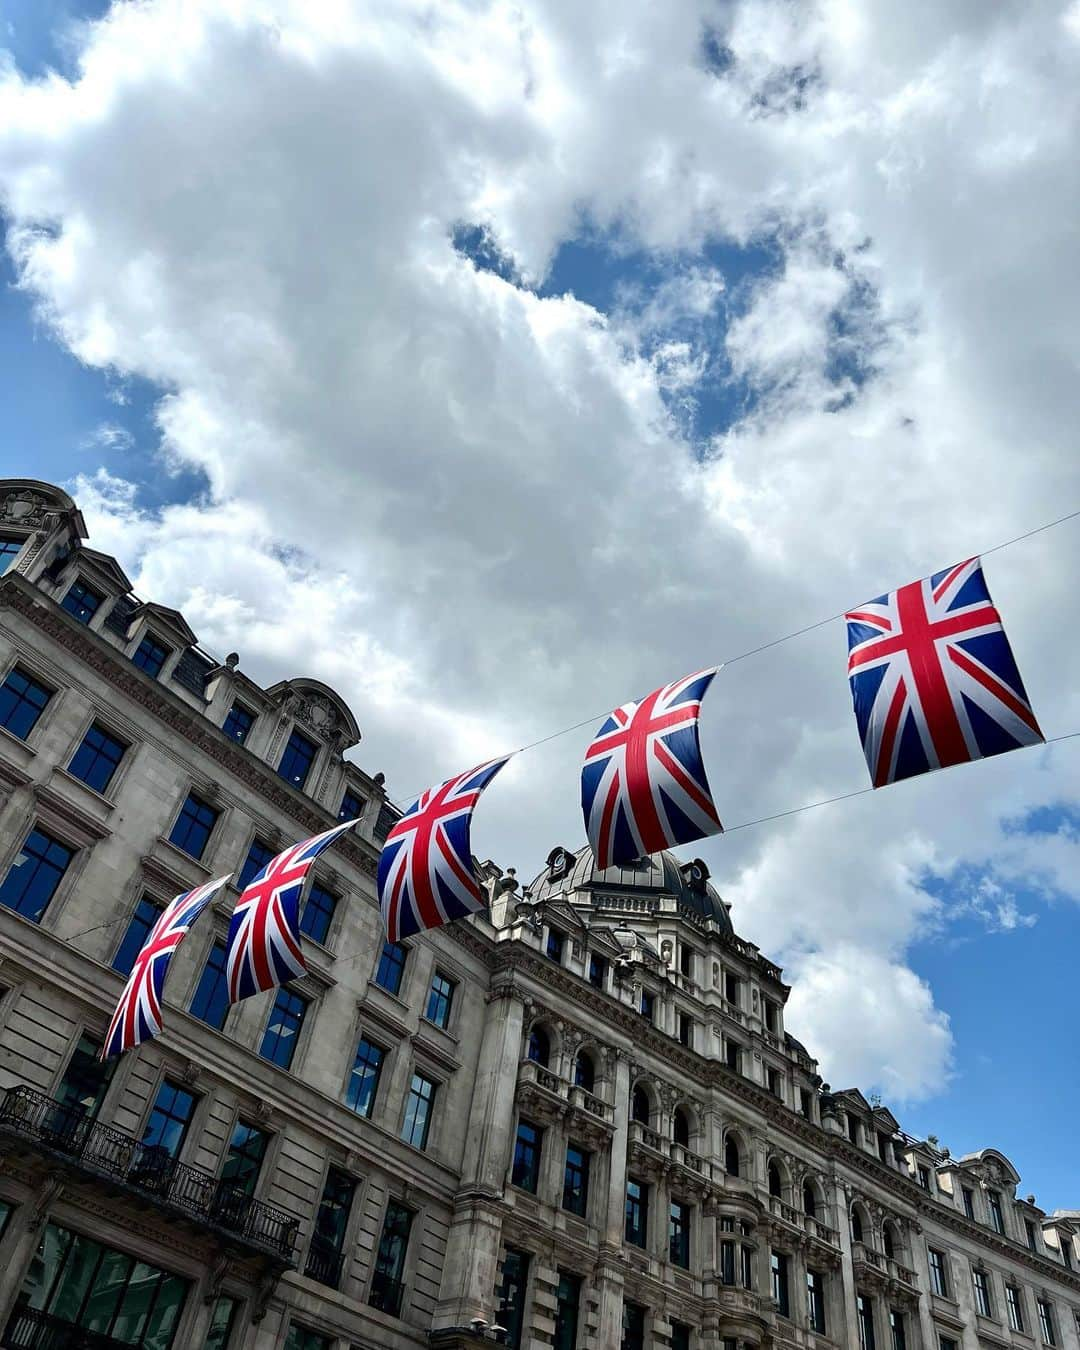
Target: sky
[498, 362]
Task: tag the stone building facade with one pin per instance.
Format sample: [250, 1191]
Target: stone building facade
[577, 1121]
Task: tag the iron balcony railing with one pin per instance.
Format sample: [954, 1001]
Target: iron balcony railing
[324, 1265]
[387, 1294]
[66, 1128]
[28, 1329]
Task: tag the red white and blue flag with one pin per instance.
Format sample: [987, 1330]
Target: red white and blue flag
[426, 874]
[264, 947]
[138, 1014]
[643, 783]
[933, 678]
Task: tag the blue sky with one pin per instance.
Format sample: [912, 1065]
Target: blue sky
[842, 390]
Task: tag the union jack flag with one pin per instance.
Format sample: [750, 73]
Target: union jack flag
[138, 1014]
[643, 783]
[933, 678]
[425, 870]
[264, 946]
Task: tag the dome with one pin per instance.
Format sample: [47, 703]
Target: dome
[572, 871]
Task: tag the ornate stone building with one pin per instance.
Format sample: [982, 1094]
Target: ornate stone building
[577, 1121]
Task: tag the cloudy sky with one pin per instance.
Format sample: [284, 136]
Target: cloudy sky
[495, 362]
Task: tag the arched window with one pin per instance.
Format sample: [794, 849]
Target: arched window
[776, 1185]
[888, 1241]
[856, 1225]
[539, 1046]
[731, 1156]
[639, 1106]
[584, 1071]
[809, 1199]
[680, 1127]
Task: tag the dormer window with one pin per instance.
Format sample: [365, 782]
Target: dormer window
[352, 806]
[150, 655]
[853, 1128]
[772, 1016]
[297, 759]
[81, 602]
[238, 723]
[9, 551]
[997, 1218]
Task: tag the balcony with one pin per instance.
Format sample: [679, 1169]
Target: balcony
[28, 1329]
[63, 1133]
[543, 1089]
[804, 1223]
[324, 1265]
[387, 1294]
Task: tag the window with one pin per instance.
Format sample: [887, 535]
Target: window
[637, 1212]
[283, 1028]
[887, 1240]
[733, 1056]
[883, 1147]
[210, 1002]
[567, 1306]
[805, 1108]
[352, 806]
[997, 1218]
[778, 1267]
[515, 1281]
[853, 1128]
[167, 1124]
[968, 1197]
[150, 656]
[556, 941]
[328, 1237]
[146, 914]
[9, 551]
[418, 1106]
[648, 1005]
[680, 1336]
[440, 1000]
[981, 1285]
[363, 1082]
[898, 1329]
[539, 1047]
[97, 758]
[1014, 1307]
[809, 1200]
[747, 1264]
[258, 855]
[776, 1185]
[1046, 1321]
[318, 913]
[244, 1160]
[22, 701]
[772, 1081]
[731, 1156]
[772, 1016]
[391, 967]
[680, 1127]
[525, 1172]
[686, 961]
[947, 1343]
[732, 988]
[597, 971]
[86, 1080]
[633, 1327]
[81, 601]
[923, 1176]
[864, 1310]
[297, 759]
[219, 1332]
[76, 1282]
[303, 1338]
[575, 1194]
[727, 1255]
[387, 1282]
[686, 1030]
[856, 1226]
[238, 723]
[193, 826]
[815, 1302]
[35, 874]
[939, 1274]
[584, 1071]
[679, 1234]
[1029, 1230]
[639, 1106]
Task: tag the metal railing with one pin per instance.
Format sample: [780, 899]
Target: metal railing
[65, 1128]
[28, 1329]
[386, 1294]
[324, 1264]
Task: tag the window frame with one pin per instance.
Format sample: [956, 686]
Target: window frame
[639, 1205]
[815, 1301]
[575, 1192]
[526, 1177]
[176, 1154]
[1014, 1307]
[148, 636]
[429, 1100]
[27, 672]
[193, 796]
[221, 982]
[442, 1000]
[401, 966]
[1044, 1311]
[940, 1277]
[680, 1227]
[364, 1039]
[980, 1283]
[109, 787]
[142, 896]
[295, 1038]
[238, 705]
[63, 881]
[323, 937]
[295, 734]
[99, 600]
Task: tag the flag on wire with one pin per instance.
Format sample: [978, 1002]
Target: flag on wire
[933, 678]
[426, 874]
[138, 1013]
[264, 946]
[643, 783]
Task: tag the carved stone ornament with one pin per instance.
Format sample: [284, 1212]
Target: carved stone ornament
[23, 508]
[319, 714]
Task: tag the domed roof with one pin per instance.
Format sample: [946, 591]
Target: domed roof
[570, 871]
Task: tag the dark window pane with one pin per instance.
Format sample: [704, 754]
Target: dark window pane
[243, 1161]
[679, 1234]
[238, 723]
[778, 1266]
[318, 912]
[387, 1287]
[637, 1212]
[864, 1311]
[283, 1028]
[193, 826]
[584, 1072]
[526, 1167]
[97, 758]
[328, 1237]
[512, 1294]
[633, 1324]
[258, 855]
[9, 551]
[567, 1307]
[302, 1338]
[364, 1079]
[576, 1181]
[35, 874]
[440, 1000]
[168, 1122]
[297, 759]
[555, 944]
[352, 806]
[221, 1323]
[539, 1048]
[597, 971]
[418, 1105]
[81, 601]
[85, 1079]
[210, 1003]
[150, 656]
[22, 701]
[391, 967]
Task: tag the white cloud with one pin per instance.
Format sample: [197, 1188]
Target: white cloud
[470, 508]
